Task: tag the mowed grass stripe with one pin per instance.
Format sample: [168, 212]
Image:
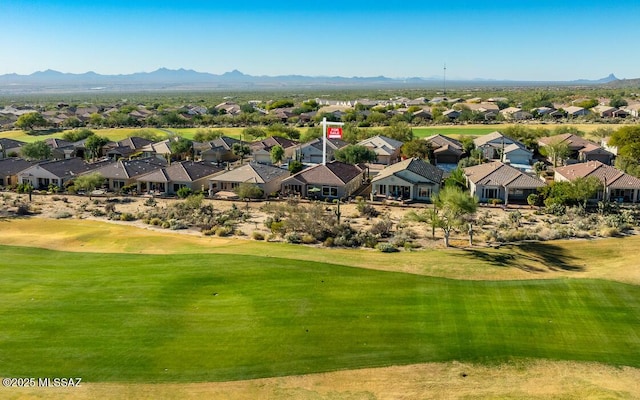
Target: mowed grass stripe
[185, 318]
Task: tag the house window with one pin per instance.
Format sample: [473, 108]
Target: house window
[490, 193]
[234, 185]
[425, 191]
[329, 191]
[118, 184]
[382, 189]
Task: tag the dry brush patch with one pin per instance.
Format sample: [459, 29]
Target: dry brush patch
[519, 380]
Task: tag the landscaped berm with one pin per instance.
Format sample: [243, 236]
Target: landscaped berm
[139, 313]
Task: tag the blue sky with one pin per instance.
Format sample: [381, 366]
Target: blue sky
[517, 40]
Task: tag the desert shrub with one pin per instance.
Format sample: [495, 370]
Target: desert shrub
[555, 209]
[308, 239]
[155, 221]
[294, 237]
[127, 217]
[150, 202]
[62, 215]
[175, 224]
[23, 209]
[608, 231]
[98, 213]
[257, 235]
[401, 238]
[366, 210]
[224, 231]
[184, 192]
[166, 224]
[367, 239]
[110, 208]
[386, 248]
[382, 228]
[328, 242]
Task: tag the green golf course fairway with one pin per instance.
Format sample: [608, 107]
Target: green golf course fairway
[211, 317]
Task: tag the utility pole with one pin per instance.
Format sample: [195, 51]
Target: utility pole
[444, 81]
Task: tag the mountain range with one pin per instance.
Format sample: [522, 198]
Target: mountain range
[186, 79]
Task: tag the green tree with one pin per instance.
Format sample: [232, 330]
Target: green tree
[583, 189]
[94, 145]
[417, 148]
[38, 150]
[249, 191]
[277, 154]
[355, 154]
[399, 131]
[181, 147]
[455, 208]
[207, 135]
[456, 178]
[240, 150]
[77, 134]
[254, 132]
[556, 151]
[314, 132]
[590, 103]
[88, 182]
[618, 102]
[30, 121]
[627, 139]
[295, 166]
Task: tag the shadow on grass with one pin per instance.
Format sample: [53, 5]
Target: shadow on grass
[530, 257]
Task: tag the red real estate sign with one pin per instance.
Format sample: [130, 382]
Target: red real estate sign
[334, 132]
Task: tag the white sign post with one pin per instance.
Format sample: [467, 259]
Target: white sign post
[334, 132]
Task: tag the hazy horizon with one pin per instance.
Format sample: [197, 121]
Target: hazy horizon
[541, 41]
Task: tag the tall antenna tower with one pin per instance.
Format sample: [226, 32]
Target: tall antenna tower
[444, 81]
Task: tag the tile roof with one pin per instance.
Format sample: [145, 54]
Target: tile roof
[7, 143]
[415, 165]
[613, 177]
[185, 171]
[12, 165]
[254, 173]
[129, 169]
[333, 173]
[499, 174]
[67, 168]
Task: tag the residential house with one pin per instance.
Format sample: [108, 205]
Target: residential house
[604, 111]
[312, 152]
[515, 114]
[126, 147]
[10, 147]
[61, 149]
[333, 180]
[161, 149]
[169, 179]
[57, 172]
[216, 150]
[122, 172]
[10, 168]
[423, 113]
[494, 145]
[445, 150]
[580, 149]
[387, 150]
[410, 179]
[261, 149]
[451, 114]
[575, 111]
[496, 180]
[517, 155]
[266, 177]
[618, 186]
[632, 109]
[228, 107]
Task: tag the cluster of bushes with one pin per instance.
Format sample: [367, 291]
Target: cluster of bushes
[192, 213]
[319, 224]
[561, 222]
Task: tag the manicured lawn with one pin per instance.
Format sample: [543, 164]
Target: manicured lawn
[210, 317]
